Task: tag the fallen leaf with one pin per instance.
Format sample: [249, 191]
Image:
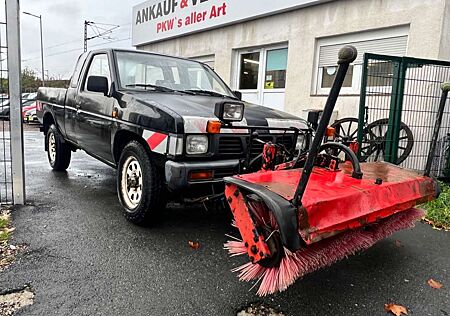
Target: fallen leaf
[434, 284]
[194, 245]
[398, 243]
[397, 310]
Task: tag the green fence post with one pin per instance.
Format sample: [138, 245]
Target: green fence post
[397, 88]
[398, 111]
[362, 104]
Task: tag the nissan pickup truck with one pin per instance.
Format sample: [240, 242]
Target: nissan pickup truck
[170, 126]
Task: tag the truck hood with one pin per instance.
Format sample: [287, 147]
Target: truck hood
[197, 110]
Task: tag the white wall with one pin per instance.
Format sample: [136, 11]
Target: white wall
[302, 27]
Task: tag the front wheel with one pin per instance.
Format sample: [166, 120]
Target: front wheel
[58, 153]
[139, 184]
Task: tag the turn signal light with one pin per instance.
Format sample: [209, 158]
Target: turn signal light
[331, 132]
[200, 175]
[214, 127]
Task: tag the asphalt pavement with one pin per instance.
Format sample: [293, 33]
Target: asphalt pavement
[84, 258]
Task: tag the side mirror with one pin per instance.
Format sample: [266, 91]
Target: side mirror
[98, 84]
[314, 118]
[238, 94]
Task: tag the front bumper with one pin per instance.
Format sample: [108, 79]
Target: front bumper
[177, 173]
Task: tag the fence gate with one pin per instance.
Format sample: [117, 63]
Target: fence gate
[12, 189]
[398, 109]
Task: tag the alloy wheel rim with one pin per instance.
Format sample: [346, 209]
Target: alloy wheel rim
[131, 183]
[52, 147]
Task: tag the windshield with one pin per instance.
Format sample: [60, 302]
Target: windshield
[148, 71]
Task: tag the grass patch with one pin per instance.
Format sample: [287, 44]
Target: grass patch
[438, 211]
[4, 222]
[4, 236]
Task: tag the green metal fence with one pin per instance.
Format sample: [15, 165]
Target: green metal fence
[398, 107]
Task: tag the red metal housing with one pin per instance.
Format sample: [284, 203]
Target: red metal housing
[335, 202]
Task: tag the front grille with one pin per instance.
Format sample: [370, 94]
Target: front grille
[234, 145]
[257, 147]
[230, 145]
[287, 141]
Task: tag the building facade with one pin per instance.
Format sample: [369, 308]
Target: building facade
[284, 55]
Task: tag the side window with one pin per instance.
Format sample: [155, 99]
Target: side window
[99, 67]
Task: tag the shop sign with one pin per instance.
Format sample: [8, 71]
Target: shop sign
[156, 20]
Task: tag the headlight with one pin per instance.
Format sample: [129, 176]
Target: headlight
[229, 111]
[301, 142]
[197, 144]
[233, 112]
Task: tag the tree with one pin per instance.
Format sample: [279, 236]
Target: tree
[30, 82]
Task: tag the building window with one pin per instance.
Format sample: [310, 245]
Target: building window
[381, 74]
[393, 41]
[249, 71]
[276, 69]
[329, 73]
[259, 73]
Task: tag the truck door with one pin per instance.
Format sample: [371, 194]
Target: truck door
[94, 111]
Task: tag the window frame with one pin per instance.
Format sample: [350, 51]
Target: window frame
[83, 84]
[348, 39]
[262, 50]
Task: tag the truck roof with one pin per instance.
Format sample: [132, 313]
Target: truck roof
[137, 51]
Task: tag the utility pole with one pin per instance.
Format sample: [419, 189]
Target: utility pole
[86, 23]
[99, 30]
[42, 44]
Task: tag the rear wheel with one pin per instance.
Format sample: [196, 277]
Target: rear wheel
[58, 153]
[139, 184]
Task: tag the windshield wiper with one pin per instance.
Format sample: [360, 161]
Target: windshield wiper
[209, 92]
[144, 85]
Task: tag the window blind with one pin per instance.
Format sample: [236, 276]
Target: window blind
[386, 46]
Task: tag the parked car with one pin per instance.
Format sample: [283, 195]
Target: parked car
[4, 110]
[28, 106]
[28, 100]
[167, 124]
[30, 116]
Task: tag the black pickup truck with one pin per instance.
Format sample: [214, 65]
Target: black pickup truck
[167, 124]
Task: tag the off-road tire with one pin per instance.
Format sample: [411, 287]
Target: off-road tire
[151, 200]
[58, 152]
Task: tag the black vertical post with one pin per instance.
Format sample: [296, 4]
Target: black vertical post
[86, 23]
[437, 127]
[347, 55]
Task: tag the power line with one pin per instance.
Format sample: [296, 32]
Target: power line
[98, 31]
[78, 49]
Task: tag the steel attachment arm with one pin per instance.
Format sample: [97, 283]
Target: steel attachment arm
[347, 55]
[437, 127]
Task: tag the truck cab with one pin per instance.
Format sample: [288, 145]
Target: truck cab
[167, 124]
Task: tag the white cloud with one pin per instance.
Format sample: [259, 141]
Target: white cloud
[63, 22]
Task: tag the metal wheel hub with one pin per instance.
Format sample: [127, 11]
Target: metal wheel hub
[131, 184]
[52, 147]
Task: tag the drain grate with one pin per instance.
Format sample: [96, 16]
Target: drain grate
[259, 310]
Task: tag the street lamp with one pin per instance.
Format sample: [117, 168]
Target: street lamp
[42, 44]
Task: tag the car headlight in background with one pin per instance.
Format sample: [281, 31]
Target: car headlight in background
[197, 144]
[229, 111]
[301, 142]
